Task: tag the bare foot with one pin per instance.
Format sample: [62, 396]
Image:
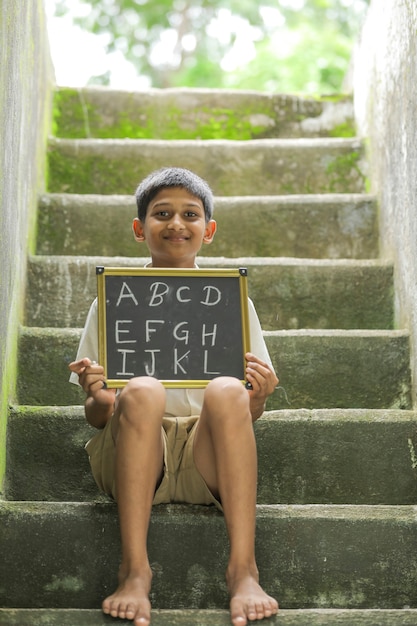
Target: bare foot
[248, 601]
[130, 600]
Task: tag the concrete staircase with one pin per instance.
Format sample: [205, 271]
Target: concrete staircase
[337, 524]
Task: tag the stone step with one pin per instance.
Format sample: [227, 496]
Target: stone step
[65, 555]
[288, 293]
[334, 226]
[212, 617]
[317, 368]
[262, 167]
[305, 457]
[197, 114]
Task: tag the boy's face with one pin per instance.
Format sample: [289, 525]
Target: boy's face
[175, 228]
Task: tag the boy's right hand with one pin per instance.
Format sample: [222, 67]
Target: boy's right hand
[92, 380]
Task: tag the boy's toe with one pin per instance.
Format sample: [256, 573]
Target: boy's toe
[130, 611]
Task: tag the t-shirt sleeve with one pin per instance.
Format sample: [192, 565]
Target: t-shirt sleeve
[257, 341]
[88, 346]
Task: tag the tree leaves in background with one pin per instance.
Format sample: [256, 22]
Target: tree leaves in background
[299, 46]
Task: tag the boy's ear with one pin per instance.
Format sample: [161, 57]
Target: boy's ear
[211, 228]
[138, 230]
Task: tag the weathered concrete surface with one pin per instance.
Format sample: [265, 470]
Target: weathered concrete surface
[35, 454]
[337, 456]
[333, 226]
[25, 107]
[386, 112]
[257, 167]
[344, 369]
[288, 293]
[197, 114]
[324, 456]
[195, 617]
[317, 368]
[310, 556]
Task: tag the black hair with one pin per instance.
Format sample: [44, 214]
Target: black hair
[173, 177]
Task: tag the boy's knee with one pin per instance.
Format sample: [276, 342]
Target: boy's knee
[226, 390]
[143, 391]
[146, 383]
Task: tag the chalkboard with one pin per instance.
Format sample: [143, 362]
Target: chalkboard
[182, 326]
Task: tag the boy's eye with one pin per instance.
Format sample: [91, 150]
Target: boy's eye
[166, 214]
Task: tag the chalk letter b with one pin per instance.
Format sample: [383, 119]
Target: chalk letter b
[158, 298]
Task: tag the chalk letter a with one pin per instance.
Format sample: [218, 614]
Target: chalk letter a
[128, 294]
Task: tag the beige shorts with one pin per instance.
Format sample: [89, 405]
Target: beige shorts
[181, 480]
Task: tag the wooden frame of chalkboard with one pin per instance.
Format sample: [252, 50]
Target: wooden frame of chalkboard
[182, 326]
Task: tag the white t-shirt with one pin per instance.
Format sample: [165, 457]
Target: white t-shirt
[179, 401]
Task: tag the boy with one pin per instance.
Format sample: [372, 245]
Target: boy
[177, 445]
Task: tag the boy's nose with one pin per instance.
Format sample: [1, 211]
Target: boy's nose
[176, 223]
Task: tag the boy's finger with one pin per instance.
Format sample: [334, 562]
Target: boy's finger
[79, 366]
[97, 385]
[254, 359]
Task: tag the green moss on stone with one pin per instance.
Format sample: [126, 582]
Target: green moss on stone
[230, 124]
[65, 583]
[93, 174]
[347, 129]
[65, 175]
[75, 117]
[341, 170]
[8, 391]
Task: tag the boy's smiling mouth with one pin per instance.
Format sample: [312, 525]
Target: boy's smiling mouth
[176, 238]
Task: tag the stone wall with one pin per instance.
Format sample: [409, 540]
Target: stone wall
[26, 82]
[385, 87]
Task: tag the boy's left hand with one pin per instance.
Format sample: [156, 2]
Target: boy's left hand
[263, 380]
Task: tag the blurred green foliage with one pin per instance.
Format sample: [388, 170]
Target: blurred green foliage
[301, 46]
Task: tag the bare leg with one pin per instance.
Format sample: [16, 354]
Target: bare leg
[139, 465]
[225, 455]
